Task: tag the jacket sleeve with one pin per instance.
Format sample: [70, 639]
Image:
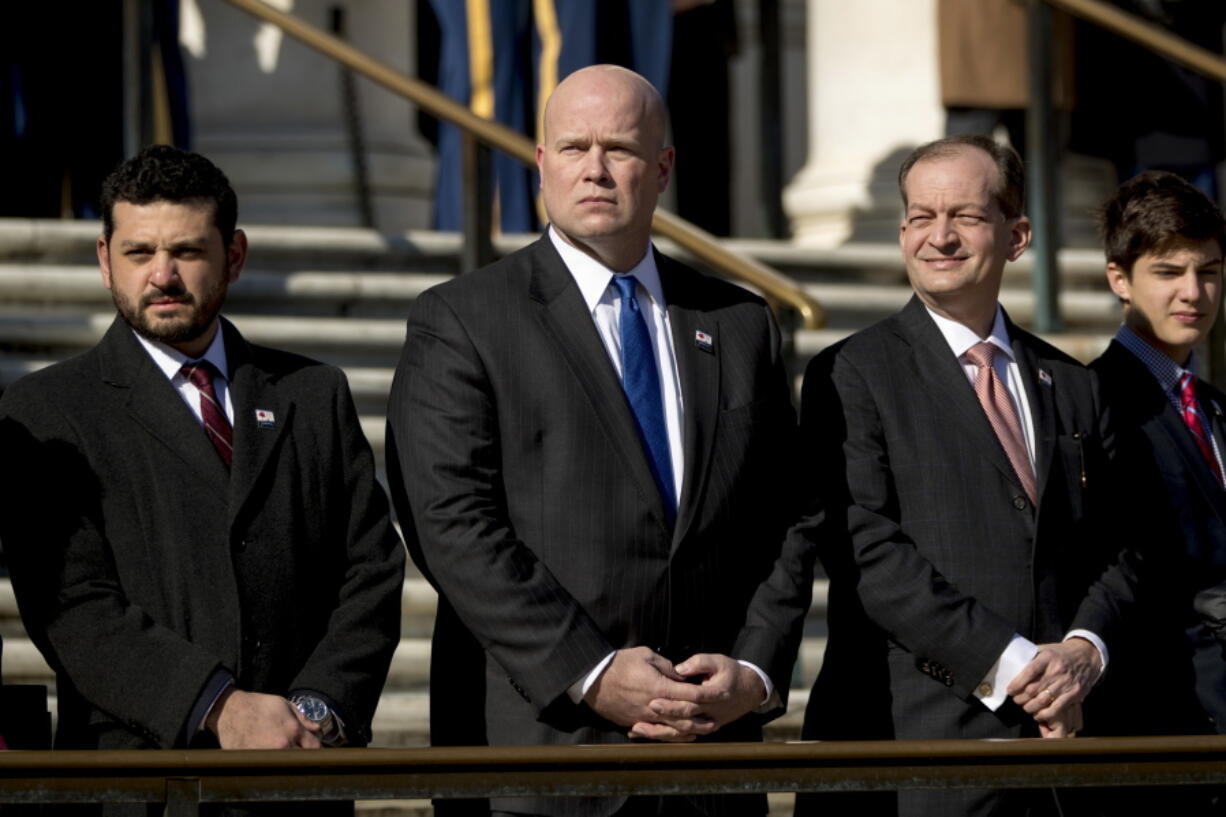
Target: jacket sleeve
[67, 586]
[1116, 561]
[444, 459]
[349, 665]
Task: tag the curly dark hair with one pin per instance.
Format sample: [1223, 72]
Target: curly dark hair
[164, 173]
[1151, 213]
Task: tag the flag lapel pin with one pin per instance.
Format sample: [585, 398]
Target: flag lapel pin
[704, 341]
[265, 418]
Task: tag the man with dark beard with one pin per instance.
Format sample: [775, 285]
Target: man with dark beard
[197, 541]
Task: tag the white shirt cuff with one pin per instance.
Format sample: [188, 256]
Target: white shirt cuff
[770, 700]
[991, 690]
[1098, 645]
[579, 688]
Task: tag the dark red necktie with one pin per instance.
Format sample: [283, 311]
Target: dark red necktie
[1195, 422]
[216, 426]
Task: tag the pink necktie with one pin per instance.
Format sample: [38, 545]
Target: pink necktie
[216, 425]
[1001, 414]
[1196, 423]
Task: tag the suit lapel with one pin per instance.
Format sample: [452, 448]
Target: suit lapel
[155, 405]
[1039, 388]
[1152, 409]
[565, 318]
[698, 370]
[1182, 441]
[941, 373]
[251, 390]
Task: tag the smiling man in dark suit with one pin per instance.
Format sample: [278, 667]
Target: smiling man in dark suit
[592, 444]
[197, 541]
[1164, 243]
[958, 462]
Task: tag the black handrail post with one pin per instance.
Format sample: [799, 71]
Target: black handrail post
[770, 117]
[1041, 172]
[137, 82]
[182, 797]
[478, 248]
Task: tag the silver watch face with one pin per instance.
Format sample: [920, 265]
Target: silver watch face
[312, 709]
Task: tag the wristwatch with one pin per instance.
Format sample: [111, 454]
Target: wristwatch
[317, 711]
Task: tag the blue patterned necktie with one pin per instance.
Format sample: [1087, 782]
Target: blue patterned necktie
[641, 381]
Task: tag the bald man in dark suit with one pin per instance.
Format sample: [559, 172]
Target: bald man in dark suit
[590, 446]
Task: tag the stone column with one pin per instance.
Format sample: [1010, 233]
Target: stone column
[873, 96]
[271, 113]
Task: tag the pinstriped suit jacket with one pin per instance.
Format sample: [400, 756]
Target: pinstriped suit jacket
[527, 500]
[935, 556]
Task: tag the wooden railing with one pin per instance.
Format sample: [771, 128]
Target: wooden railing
[185, 779]
[703, 246]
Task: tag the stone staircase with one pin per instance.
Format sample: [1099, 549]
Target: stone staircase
[341, 295]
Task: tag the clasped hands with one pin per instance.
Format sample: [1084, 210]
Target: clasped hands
[653, 698]
[1052, 686]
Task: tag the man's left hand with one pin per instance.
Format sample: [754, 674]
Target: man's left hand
[728, 690]
[1059, 676]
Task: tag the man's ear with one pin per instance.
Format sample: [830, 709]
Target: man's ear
[1020, 235]
[1119, 282]
[236, 255]
[102, 248]
[664, 166]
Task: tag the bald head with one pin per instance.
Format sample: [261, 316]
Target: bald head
[613, 84]
[603, 162]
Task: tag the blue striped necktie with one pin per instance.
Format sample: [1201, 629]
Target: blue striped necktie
[641, 382]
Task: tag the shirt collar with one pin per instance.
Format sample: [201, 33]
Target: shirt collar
[1165, 370]
[593, 277]
[960, 337]
[171, 360]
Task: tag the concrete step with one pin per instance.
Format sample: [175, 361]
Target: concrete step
[389, 295]
[410, 668]
[857, 305]
[72, 330]
[35, 283]
[273, 246]
[1084, 346]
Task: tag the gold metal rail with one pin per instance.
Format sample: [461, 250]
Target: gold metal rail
[700, 244]
[1152, 37]
[184, 779]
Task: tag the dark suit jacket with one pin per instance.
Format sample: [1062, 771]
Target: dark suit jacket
[141, 566]
[1180, 517]
[935, 556]
[526, 498]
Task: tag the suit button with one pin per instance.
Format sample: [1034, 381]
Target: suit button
[984, 690]
[240, 545]
[1019, 502]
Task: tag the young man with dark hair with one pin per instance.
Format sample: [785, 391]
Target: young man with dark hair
[1164, 242]
[197, 541]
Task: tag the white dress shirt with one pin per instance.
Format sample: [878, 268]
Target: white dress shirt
[171, 360]
[595, 282]
[991, 690]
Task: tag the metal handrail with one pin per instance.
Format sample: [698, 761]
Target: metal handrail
[700, 244]
[1141, 31]
[184, 779]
